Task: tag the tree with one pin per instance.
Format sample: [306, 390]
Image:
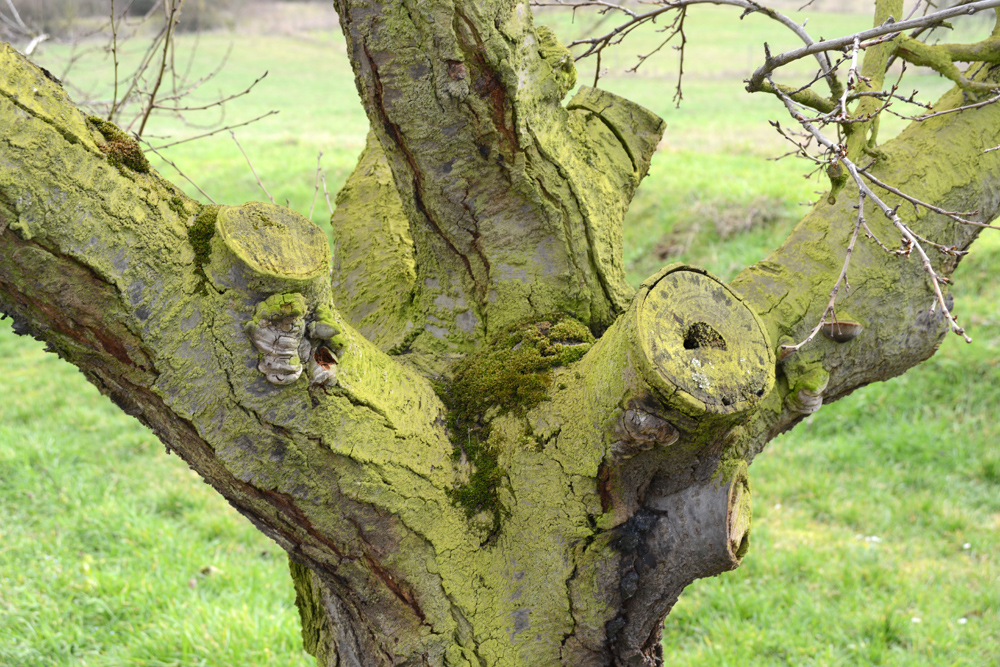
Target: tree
[476, 443]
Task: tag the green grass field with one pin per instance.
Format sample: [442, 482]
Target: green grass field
[877, 521]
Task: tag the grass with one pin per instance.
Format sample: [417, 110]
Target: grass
[113, 553]
[879, 510]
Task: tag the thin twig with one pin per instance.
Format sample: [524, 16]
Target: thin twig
[183, 175]
[312, 206]
[33, 44]
[114, 55]
[171, 18]
[634, 19]
[852, 78]
[17, 17]
[841, 279]
[910, 241]
[327, 193]
[259, 182]
[957, 216]
[216, 131]
[984, 103]
[216, 103]
[887, 28]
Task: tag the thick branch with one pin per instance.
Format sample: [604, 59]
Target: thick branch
[938, 160]
[114, 269]
[514, 203]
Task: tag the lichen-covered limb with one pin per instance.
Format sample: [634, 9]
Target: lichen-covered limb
[938, 160]
[806, 97]
[860, 135]
[942, 58]
[372, 230]
[150, 296]
[642, 425]
[499, 153]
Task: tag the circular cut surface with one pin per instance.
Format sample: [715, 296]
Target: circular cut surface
[274, 240]
[704, 341]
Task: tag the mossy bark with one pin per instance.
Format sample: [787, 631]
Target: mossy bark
[621, 476]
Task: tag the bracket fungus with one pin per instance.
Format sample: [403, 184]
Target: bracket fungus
[279, 332]
[841, 331]
[640, 431]
[807, 380]
[281, 260]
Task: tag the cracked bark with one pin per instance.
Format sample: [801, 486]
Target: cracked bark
[627, 483]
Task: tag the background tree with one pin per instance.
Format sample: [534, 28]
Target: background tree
[438, 506]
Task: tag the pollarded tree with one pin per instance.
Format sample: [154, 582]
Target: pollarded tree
[477, 444]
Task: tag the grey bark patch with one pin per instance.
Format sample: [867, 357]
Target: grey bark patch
[522, 621]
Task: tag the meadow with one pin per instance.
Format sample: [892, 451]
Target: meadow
[876, 535]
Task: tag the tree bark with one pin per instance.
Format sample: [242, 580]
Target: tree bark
[424, 525]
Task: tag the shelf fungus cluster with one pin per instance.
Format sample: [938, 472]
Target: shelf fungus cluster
[639, 431]
[283, 338]
[807, 380]
[280, 261]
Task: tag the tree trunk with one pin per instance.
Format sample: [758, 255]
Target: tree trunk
[477, 445]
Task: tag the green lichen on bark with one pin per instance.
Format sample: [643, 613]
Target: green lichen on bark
[310, 608]
[511, 374]
[279, 307]
[558, 57]
[324, 327]
[122, 150]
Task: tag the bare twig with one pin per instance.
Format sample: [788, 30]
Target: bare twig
[172, 12]
[326, 193]
[319, 159]
[957, 216]
[259, 182]
[594, 45]
[910, 241]
[17, 23]
[852, 78]
[984, 103]
[216, 103]
[840, 43]
[841, 279]
[178, 169]
[216, 131]
[884, 94]
[33, 44]
[114, 55]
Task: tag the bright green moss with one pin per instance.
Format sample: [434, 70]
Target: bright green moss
[122, 150]
[200, 237]
[176, 204]
[511, 374]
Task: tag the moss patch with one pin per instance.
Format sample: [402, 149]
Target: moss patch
[176, 204]
[510, 375]
[200, 237]
[122, 150]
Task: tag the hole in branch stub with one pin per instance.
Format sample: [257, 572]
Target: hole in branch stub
[701, 334]
[324, 357]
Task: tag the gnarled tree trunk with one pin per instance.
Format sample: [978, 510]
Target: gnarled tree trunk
[476, 443]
